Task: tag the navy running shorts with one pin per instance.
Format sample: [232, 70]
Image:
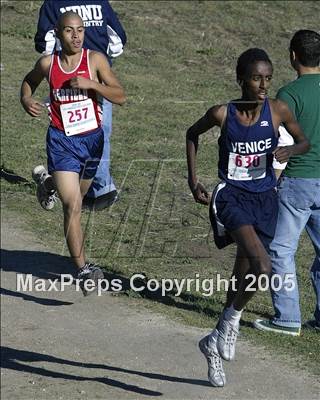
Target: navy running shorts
[78, 153]
[221, 237]
[232, 207]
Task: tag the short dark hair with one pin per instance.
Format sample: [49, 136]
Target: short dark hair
[306, 45]
[248, 58]
[64, 16]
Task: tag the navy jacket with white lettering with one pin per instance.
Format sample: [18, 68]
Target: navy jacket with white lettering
[104, 31]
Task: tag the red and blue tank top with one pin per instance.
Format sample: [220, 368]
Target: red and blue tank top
[245, 152]
[74, 111]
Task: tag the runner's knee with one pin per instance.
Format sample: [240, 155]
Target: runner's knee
[72, 207]
[264, 267]
[261, 265]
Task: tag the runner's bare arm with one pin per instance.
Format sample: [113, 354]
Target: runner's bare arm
[213, 117]
[111, 89]
[282, 154]
[29, 85]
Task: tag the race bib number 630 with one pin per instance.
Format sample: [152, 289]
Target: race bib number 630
[247, 167]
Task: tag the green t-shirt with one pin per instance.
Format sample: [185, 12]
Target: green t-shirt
[303, 98]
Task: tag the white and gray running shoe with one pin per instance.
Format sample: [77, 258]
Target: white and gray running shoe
[47, 199]
[226, 342]
[89, 272]
[216, 375]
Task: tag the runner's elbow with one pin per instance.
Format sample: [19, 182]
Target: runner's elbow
[308, 146]
[190, 135]
[122, 99]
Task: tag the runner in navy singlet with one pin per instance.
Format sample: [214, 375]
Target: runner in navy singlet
[244, 205]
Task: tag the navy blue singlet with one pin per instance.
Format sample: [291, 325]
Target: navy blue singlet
[245, 152]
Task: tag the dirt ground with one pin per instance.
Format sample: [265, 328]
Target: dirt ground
[61, 345]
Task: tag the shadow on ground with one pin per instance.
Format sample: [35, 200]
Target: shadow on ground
[47, 265]
[15, 359]
[12, 177]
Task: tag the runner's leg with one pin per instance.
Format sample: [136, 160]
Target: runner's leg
[257, 258]
[68, 187]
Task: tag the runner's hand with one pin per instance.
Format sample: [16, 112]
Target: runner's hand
[80, 83]
[282, 154]
[32, 107]
[200, 194]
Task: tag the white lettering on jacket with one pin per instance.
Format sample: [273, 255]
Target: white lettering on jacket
[91, 14]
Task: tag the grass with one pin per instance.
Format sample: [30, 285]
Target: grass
[179, 60]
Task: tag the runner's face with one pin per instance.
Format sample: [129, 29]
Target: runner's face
[257, 82]
[71, 35]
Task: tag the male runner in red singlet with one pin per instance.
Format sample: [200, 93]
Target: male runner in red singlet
[76, 77]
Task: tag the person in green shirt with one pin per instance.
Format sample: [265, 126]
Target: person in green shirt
[299, 192]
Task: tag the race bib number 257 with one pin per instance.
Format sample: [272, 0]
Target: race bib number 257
[78, 117]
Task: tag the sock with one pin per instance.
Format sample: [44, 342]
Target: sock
[232, 316]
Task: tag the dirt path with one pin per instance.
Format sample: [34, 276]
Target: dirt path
[64, 346]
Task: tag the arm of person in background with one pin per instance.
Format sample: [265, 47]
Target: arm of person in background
[45, 39]
[301, 145]
[116, 34]
[109, 88]
[213, 117]
[285, 139]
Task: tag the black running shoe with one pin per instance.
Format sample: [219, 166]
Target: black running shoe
[101, 202]
[89, 272]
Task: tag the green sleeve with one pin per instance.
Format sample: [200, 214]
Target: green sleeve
[288, 98]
